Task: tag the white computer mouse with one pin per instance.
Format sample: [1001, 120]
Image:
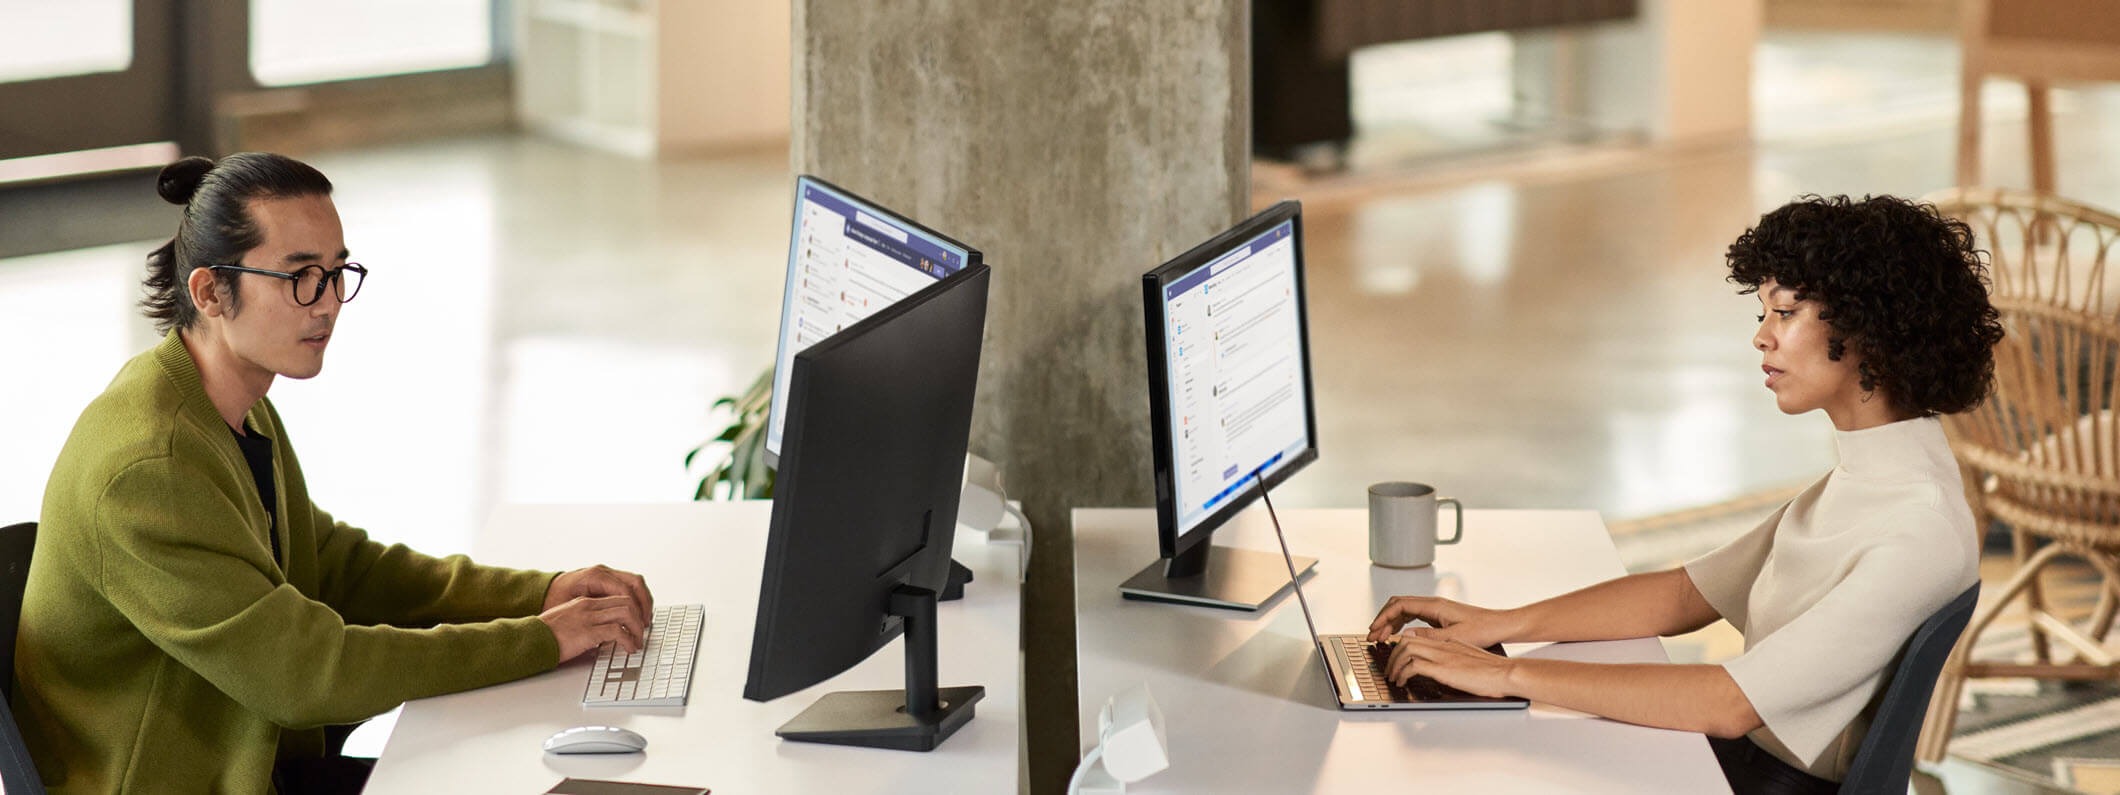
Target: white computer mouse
[595, 740]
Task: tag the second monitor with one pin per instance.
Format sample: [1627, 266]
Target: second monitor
[864, 515]
[848, 258]
[1229, 395]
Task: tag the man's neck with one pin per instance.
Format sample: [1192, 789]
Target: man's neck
[231, 383]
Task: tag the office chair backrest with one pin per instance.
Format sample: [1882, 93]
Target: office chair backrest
[18, 774]
[1886, 758]
[16, 542]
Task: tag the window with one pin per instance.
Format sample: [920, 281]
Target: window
[56, 38]
[313, 41]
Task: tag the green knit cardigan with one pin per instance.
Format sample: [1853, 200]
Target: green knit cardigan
[163, 649]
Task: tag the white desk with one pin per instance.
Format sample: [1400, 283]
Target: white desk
[1249, 709]
[489, 740]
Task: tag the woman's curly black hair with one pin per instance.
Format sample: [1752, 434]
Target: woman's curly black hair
[1900, 283]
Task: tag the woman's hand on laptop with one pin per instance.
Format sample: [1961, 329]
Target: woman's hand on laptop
[1467, 668]
[1477, 627]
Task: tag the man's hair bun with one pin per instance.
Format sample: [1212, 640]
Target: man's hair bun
[181, 179]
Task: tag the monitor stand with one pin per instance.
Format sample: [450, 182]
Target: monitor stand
[1235, 579]
[917, 718]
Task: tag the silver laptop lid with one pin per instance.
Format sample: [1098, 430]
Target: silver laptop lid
[1296, 582]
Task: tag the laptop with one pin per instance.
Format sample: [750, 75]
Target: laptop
[1355, 667]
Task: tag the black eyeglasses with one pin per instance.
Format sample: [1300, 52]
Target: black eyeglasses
[309, 282]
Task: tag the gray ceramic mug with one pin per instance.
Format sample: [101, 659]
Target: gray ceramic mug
[1402, 524]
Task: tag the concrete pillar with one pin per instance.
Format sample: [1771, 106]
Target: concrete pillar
[1078, 143]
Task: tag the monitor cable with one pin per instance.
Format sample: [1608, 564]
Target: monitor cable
[984, 503]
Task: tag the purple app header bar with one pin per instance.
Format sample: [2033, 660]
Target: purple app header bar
[877, 229]
[1201, 274]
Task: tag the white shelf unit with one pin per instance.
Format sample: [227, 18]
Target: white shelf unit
[645, 77]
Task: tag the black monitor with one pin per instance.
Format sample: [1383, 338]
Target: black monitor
[864, 513]
[1229, 396]
[849, 258]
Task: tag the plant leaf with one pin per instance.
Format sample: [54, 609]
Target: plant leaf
[739, 472]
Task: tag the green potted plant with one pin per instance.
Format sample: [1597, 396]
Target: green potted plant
[741, 472]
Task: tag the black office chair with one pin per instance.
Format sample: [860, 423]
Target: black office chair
[1885, 760]
[17, 773]
[16, 544]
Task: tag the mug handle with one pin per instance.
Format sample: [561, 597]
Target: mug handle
[1460, 512]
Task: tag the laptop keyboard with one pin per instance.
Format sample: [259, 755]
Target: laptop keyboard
[1375, 686]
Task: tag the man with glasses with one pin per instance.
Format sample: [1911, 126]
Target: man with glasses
[192, 621]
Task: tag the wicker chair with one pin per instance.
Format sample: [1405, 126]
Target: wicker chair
[2042, 248]
[2042, 453]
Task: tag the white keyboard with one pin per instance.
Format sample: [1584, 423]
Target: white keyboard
[659, 675]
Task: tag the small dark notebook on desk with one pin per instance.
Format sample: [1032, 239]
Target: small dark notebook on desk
[590, 786]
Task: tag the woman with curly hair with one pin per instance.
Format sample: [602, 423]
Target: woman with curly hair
[1875, 312]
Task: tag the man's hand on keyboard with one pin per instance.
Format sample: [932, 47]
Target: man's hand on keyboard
[599, 581]
[585, 622]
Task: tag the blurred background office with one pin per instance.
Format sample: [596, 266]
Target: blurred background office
[575, 213]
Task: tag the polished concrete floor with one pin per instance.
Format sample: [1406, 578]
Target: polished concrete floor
[1530, 330]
